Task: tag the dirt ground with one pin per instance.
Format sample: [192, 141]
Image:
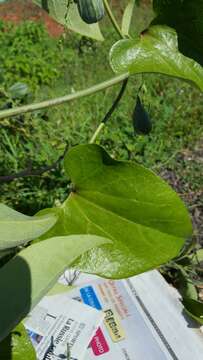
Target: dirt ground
[193, 199]
[18, 10]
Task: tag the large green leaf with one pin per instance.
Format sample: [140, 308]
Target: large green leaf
[66, 13]
[125, 202]
[186, 17]
[17, 346]
[155, 51]
[26, 278]
[17, 229]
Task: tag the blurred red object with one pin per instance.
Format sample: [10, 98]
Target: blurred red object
[19, 10]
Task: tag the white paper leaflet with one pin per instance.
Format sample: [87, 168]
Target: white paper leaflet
[61, 328]
[144, 319]
[123, 335]
[135, 319]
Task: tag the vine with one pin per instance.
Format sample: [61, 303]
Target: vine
[123, 218]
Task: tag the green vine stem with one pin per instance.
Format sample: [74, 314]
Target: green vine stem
[61, 100]
[112, 18]
[110, 111]
[98, 130]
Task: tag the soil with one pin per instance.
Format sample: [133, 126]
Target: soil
[193, 199]
[18, 10]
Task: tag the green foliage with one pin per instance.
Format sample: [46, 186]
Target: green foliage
[186, 273]
[18, 229]
[116, 199]
[142, 227]
[127, 18]
[156, 50]
[17, 345]
[174, 107]
[28, 55]
[36, 270]
[194, 309]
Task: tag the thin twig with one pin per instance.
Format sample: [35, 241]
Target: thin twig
[32, 172]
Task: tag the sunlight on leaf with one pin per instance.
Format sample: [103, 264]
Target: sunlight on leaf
[155, 51]
[17, 346]
[18, 229]
[125, 202]
[26, 278]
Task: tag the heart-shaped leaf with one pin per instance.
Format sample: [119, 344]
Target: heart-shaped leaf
[185, 16]
[26, 278]
[126, 203]
[66, 13]
[155, 51]
[17, 229]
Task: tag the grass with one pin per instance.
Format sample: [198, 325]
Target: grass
[175, 108]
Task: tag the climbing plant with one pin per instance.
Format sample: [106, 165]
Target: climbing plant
[120, 219]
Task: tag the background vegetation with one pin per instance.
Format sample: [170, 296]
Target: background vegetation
[53, 67]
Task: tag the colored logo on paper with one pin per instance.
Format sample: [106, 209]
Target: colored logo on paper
[89, 297]
[99, 344]
[113, 326]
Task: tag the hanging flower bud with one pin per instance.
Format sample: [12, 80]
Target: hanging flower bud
[141, 120]
[91, 11]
